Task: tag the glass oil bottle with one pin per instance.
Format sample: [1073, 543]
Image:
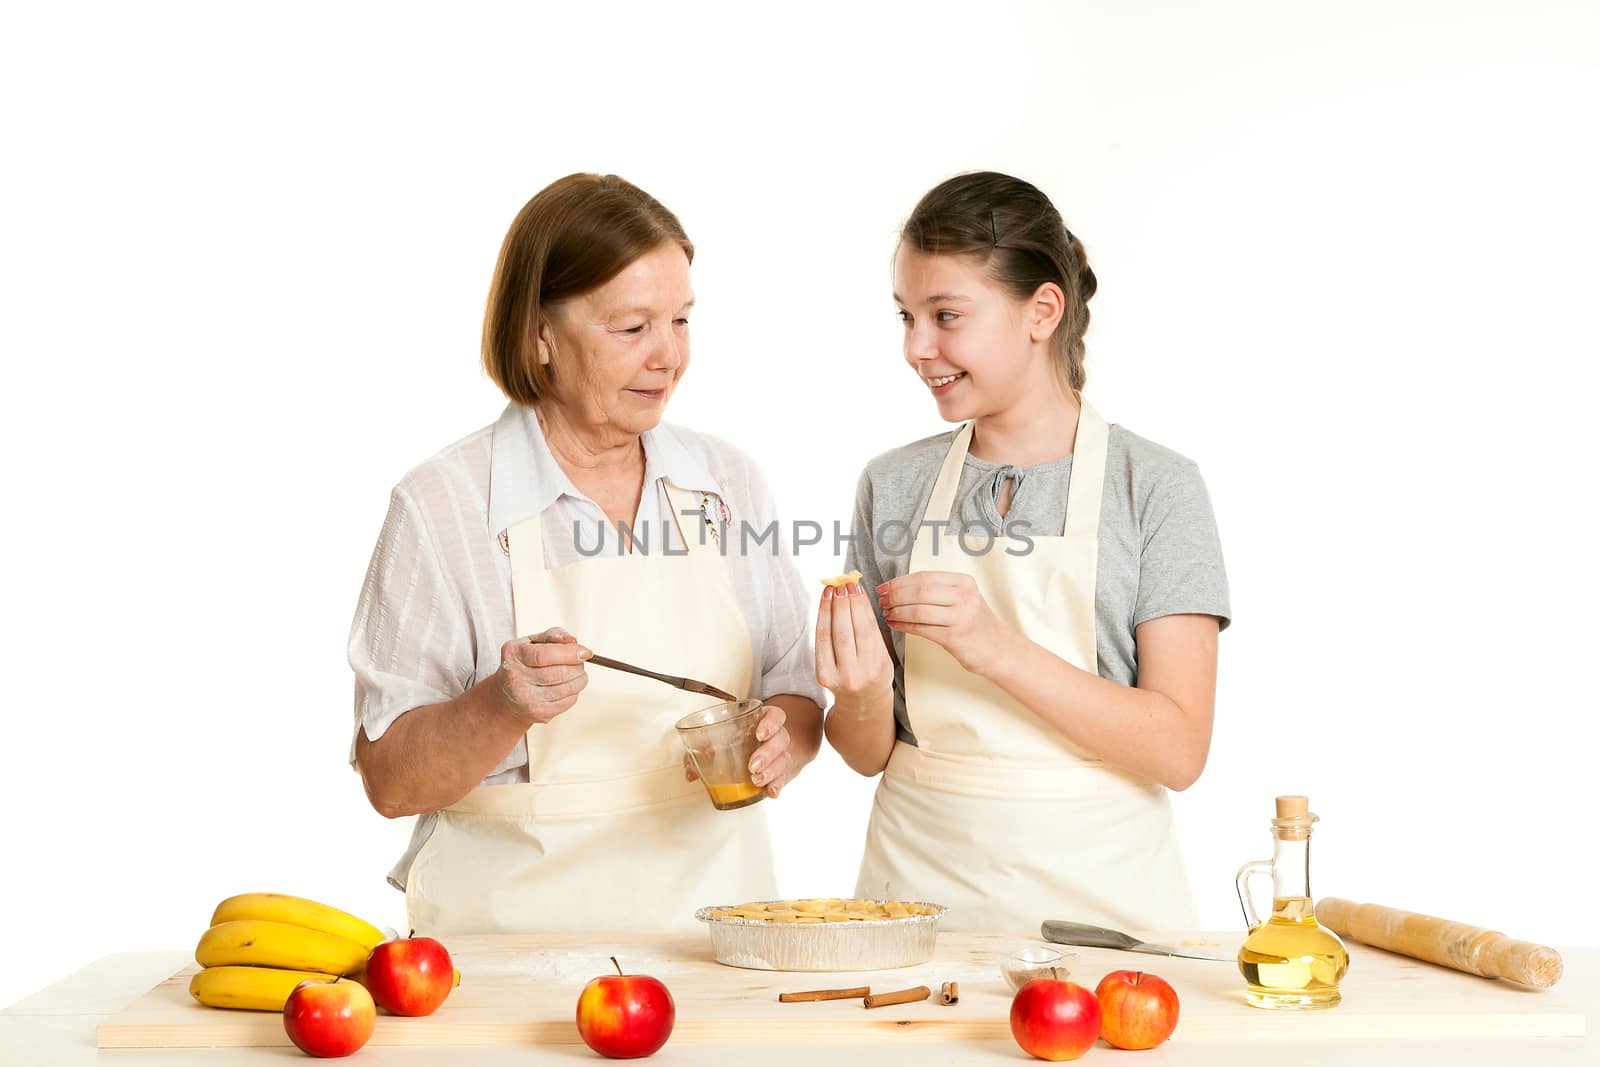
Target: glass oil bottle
[1289, 962]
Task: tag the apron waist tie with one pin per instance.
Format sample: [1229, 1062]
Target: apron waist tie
[979, 776]
[580, 799]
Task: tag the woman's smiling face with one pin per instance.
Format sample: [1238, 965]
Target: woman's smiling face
[969, 341]
[619, 351]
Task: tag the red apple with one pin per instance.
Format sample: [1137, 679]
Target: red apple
[625, 1016]
[410, 976]
[1137, 1010]
[1055, 1020]
[331, 1018]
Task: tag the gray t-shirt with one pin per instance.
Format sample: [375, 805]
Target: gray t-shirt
[1159, 550]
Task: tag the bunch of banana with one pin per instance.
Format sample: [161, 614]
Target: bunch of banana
[253, 988]
[297, 911]
[261, 945]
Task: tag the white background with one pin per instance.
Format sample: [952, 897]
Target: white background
[1347, 264]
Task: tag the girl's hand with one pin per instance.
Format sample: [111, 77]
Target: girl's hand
[852, 660]
[948, 610]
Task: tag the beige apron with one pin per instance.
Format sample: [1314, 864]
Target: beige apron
[993, 812]
[607, 834]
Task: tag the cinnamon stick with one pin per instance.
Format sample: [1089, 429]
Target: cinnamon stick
[808, 995]
[899, 996]
[950, 992]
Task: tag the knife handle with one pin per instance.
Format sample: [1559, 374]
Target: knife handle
[1486, 953]
[1065, 933]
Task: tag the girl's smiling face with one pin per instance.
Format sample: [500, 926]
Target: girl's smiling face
[977, 349]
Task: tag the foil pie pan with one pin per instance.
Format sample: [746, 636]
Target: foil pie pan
[858, 945]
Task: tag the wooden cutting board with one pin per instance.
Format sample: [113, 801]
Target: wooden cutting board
[524, 990]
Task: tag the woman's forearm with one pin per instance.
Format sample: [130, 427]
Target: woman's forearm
[1137, 730]
[863, 732]
[803, 719]
[434, 755]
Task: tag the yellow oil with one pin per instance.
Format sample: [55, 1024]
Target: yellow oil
[1289, 962]
[737, 795]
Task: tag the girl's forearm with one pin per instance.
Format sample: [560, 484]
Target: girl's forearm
[862, 732]
[1137, 730]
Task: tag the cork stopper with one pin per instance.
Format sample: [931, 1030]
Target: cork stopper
[1291, 807]
[1294, 819]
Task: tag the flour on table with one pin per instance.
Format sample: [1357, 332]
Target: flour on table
[570, 968]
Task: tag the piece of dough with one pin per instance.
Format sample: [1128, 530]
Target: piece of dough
[824, 910]
[841, 580]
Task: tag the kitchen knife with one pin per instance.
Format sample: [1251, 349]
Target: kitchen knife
[1065, 933]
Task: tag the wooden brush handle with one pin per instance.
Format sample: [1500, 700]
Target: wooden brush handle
[1487, 953]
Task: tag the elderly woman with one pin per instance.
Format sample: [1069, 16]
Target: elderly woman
[553, 796]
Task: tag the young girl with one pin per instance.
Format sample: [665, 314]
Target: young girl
[1037, 664]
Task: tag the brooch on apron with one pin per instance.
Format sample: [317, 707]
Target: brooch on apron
[722, 513]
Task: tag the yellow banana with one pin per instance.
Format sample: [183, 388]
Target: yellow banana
[298, 911]
[256, 943]
[253, 988]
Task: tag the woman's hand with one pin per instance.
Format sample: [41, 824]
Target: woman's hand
[948, 610]
[852, 660]
[541, 676]
[772, 765]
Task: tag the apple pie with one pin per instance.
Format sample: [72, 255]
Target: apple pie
[824, 910]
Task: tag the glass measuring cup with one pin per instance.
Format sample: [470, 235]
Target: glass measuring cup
[720, 741]
[1036, 961]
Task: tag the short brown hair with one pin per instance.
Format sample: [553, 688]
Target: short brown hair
[576, 234]
[1018, 235]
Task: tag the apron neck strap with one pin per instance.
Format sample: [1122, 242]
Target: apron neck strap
[943, 496]
[691, 520]
[1088, 474]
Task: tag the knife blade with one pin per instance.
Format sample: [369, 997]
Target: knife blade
[1083, 935]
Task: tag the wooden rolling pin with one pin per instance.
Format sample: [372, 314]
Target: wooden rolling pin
[1486, 953]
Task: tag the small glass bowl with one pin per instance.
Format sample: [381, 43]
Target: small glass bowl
[1036, 961]
[720, 740]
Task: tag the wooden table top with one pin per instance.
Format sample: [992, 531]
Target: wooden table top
[520, 991]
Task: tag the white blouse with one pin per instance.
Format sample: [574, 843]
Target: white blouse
[436, 604]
